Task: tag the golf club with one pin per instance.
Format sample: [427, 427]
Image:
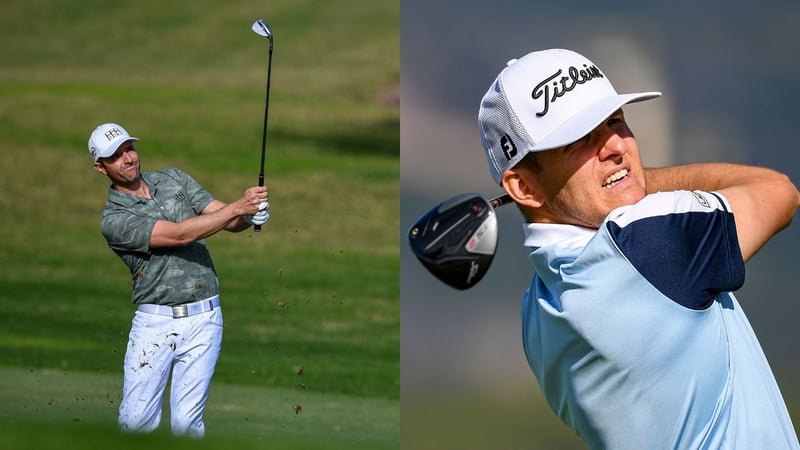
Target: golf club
[456, 240]
[261, 28]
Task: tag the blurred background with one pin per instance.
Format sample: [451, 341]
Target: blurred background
[728, 73]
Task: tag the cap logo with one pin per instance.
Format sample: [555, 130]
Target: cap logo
[509, 149]
[701, 199]
[112, 133]
[561, 86]
[93, 152]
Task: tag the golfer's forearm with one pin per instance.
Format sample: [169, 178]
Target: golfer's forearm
[707, 177]
[237, 225]
[170, 234]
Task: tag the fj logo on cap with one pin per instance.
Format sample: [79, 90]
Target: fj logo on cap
[112, 133]
[509, 149]
[561, 86]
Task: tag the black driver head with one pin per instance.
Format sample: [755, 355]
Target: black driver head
[456, 240]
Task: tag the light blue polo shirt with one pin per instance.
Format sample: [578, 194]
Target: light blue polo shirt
[635, 337]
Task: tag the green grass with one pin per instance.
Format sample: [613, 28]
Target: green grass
[317, 289]
[81, 407]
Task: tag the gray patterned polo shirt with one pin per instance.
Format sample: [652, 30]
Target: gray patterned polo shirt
[168, 275]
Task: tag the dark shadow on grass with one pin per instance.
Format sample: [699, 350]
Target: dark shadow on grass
[381, 139]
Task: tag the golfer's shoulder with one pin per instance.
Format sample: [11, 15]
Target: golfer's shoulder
[668, 203]
[169, 172]
[167, 177]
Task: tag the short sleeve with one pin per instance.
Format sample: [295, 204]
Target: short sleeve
[684, 243]
[127, 232]
[199, 198]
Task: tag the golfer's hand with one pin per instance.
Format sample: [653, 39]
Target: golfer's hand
[253, 200]
[259, 218]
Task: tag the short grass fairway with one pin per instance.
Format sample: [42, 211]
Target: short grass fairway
[55, 409]
[310, 357]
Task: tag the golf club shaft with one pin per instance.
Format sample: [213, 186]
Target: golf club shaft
[500, 200]
[264, 130]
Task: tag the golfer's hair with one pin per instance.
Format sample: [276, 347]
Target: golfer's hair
[531, 162]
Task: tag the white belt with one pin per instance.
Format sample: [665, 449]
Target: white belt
[179, 311]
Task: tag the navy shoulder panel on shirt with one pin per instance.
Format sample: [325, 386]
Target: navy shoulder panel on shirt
[689, 256]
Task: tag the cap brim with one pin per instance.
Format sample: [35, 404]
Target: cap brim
[587, 120]
[114, 145]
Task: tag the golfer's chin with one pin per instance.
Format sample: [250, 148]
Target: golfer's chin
[130, 173]
[126, 178]
[623, 198]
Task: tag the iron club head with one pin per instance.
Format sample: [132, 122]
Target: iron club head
[261, 27]
[457, 239]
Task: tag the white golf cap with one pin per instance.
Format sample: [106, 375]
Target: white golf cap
[106, 139]
[542, 101]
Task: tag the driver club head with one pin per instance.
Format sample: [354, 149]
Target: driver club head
[456, 240]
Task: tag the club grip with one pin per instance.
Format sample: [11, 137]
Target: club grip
[257, 228]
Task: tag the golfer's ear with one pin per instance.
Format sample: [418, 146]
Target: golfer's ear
[519, 184]
[99, 167]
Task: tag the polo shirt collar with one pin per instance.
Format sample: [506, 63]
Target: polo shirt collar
[127, 200]
[538, 235]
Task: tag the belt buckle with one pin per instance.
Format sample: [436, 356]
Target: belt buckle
[180, 311]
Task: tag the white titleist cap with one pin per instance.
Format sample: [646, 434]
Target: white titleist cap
[106, 139]
[542, 101]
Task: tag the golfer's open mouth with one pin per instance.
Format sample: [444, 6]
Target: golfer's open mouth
[615, 178]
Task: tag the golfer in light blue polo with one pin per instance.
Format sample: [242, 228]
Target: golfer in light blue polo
[630, 324]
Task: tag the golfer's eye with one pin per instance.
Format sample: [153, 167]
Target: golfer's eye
[576, 144]
[616, 119]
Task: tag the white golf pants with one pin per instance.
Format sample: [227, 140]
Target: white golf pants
[186, 348]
